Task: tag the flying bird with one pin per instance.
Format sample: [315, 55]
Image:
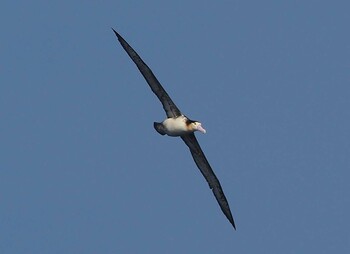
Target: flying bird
[178, 125]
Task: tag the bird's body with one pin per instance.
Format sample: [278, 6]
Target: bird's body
[178, 125]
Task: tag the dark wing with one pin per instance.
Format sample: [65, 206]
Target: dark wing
[213, 181]
[168, 105]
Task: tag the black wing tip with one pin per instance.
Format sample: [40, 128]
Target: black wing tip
[117, 34]
[230, 218]
[233, 224]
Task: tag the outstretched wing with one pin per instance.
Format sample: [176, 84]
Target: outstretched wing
[213, 181]
[169, 106]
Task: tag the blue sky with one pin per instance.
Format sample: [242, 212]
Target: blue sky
[83, 171]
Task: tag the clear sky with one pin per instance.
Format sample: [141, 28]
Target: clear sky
[83, 171]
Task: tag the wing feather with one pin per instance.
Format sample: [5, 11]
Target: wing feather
[169, 106]
[204, 166]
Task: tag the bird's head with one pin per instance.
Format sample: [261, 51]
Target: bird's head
[197, 126]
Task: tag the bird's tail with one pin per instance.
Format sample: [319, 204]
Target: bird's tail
[159, 128]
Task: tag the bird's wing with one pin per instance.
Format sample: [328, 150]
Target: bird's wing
[169, 106]
[213, 181]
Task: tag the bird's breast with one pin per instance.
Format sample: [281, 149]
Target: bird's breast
[176, 126]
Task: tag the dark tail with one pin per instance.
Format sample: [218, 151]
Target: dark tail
[159, 128]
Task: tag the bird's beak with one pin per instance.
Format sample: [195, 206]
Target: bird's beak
[201, 129]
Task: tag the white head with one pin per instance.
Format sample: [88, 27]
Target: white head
[197, 126]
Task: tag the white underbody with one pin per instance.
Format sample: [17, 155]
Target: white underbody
[176, 126]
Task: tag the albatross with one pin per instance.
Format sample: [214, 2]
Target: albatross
[178, 125]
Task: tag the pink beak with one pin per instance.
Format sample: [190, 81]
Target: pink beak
[201, 129]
